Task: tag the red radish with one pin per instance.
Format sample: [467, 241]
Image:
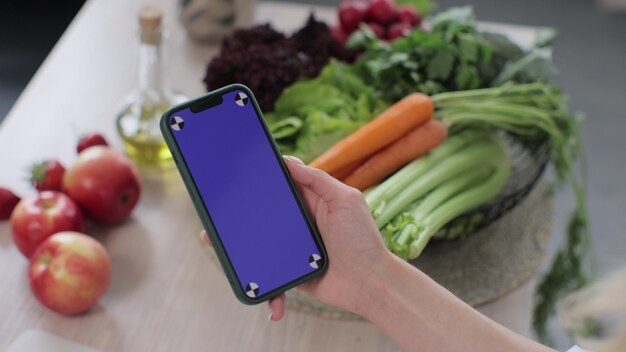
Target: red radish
[378, 30]
[398, 30]
[351, 14]
[338, 33]
[47, 175]
[8, 201]
[381, 11]
[90, 140]
[409, 15]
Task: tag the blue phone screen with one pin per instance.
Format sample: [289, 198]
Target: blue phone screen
[246, 194]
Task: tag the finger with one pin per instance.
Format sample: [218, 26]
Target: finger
[204, 236]
[310, 199]
[319, 182]
[277, 308]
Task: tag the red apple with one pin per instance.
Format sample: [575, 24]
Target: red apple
[378, 30]
[351, 14]
[69, 272]
[381, 11]
[105, 183]
[40, 216]
[398, 30]
[409, 15]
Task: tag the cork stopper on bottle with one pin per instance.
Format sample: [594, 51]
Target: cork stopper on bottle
[150, 18]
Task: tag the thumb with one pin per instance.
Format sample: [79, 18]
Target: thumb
[316, 180]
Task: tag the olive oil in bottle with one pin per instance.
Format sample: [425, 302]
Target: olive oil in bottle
[138, 120]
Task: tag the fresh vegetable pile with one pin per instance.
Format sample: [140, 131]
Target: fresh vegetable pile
[103, 186]
[417, 123]
[267, 61]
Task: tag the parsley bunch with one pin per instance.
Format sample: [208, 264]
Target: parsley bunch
[453, 56]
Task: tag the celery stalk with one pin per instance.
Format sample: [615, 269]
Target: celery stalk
[452, 187]
[440, 194]
[423, 183]
[379, 196]
[462, 203]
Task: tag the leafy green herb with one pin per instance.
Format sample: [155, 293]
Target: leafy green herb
[454, 56]
[450, 57]
[569, 270]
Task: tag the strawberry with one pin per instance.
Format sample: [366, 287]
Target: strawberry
[47, 175]
[8, 201]
[90, 140]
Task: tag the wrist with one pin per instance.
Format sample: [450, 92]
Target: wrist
[374, 291]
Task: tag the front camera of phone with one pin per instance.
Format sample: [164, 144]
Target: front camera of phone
[206, 104]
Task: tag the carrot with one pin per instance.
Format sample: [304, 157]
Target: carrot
[348, 169]
[393, 123]
[414, 144]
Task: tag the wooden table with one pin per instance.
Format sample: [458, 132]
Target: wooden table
[166, 294]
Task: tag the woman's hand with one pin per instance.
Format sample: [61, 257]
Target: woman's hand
[355, 249]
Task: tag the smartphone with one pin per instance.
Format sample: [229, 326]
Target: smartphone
[243, 193]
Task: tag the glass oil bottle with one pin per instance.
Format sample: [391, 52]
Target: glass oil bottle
[138, 120]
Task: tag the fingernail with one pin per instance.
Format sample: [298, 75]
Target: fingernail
[270, 316]
[293, 159]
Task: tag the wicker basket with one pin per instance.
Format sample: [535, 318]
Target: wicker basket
[527, 166]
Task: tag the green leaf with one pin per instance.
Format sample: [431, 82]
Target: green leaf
[398, 58]
[467, 77]
[454, 17]
[441, 65]
[319, 133]
[361, 38]
[469, 48]
[286, 128]
[502, 46]
[533, 67]
[422, 6]
[545, 36]
[313, 114]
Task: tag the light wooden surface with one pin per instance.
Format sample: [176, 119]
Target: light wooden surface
[166, 294]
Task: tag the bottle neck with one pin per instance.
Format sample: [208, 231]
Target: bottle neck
[151, 79]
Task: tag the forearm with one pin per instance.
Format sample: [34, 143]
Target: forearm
[421, 315]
